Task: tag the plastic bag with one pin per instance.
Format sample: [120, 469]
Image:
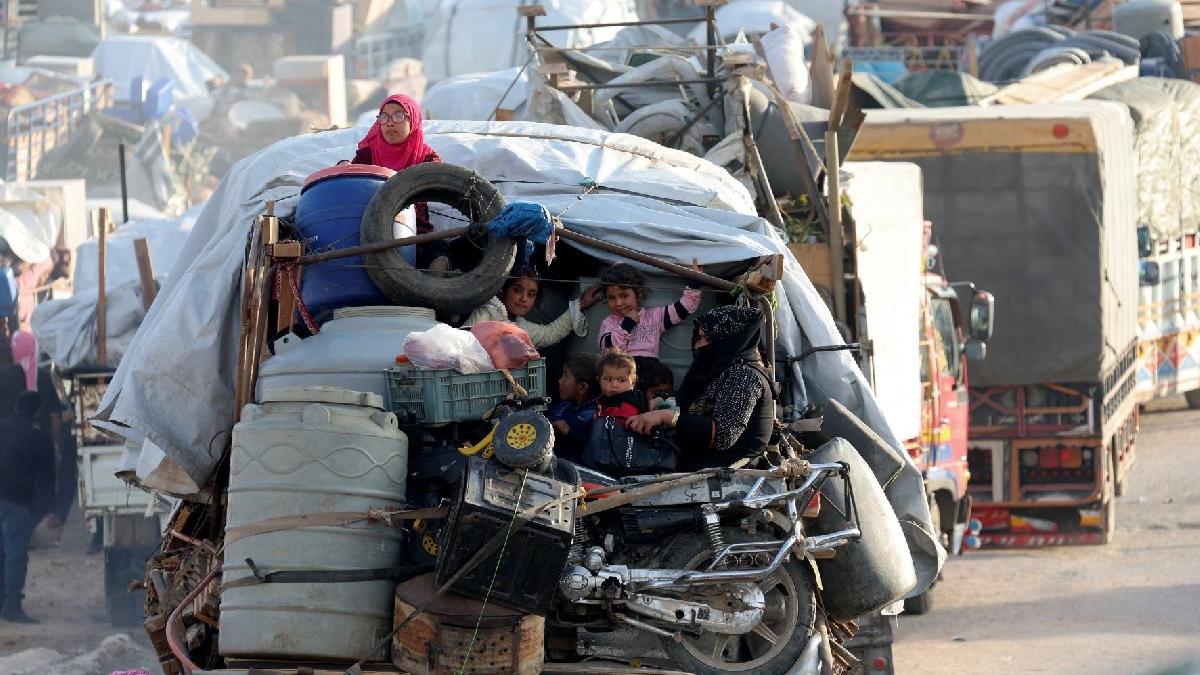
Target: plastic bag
[445, 347]
[506, 344]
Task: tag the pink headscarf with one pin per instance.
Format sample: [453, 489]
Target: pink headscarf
[25, 352]
[411, 152]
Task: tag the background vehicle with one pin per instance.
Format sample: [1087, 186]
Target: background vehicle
[1052, 410]
[131, 525]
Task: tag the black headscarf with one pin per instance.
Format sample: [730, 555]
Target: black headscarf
[733, 335]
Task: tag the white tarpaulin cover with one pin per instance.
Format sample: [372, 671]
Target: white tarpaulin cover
[889, 219]
[66, 329]
[164, 238]
[755, 18]
[27, 222]
[122, 58]
[472, 36]
[474, 96]
[175, 388]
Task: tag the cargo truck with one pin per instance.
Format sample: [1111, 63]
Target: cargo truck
[1036, 203]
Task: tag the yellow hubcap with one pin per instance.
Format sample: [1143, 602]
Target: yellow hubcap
[522, 436]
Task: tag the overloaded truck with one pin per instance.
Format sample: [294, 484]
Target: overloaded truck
[1166, 119]
[915, 342]
[1036, 203]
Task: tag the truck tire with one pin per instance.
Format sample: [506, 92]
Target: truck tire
[922, 603]
[1193, 399]
[455, 186]
[122, 566]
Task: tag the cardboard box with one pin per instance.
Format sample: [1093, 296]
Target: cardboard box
[814, 259]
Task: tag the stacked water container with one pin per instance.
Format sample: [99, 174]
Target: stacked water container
[320, 441]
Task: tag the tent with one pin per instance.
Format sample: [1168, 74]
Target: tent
[122, 58]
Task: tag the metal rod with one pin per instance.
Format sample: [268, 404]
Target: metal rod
[678, 135]
[913, 14]
[679, 270]
[101, 306]
[382, 246]
[622, 24]
[607, 48]
[124, 184]
[656, 83]
[710, 30]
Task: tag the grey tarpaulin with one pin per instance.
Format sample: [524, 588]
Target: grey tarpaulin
[175, 386]
[1046, 223]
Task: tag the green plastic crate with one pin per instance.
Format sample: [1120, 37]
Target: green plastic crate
[439, 396]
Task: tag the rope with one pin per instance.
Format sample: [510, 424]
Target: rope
[289, 272]
[495, 573]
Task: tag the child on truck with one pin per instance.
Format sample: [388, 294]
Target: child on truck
[619, 399]
[634, 329]
[518, 296]
[572, 415]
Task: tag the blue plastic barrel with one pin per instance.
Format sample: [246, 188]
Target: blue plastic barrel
[328, 217]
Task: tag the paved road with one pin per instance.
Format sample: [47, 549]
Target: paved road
[1129, 607]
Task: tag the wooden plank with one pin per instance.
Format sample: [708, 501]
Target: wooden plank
[141, 250]
[821, 71]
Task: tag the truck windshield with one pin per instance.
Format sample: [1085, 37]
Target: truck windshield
[943, 321]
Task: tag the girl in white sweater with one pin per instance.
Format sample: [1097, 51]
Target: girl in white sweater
[518, 296]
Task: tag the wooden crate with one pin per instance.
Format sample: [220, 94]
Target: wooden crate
[814, 259]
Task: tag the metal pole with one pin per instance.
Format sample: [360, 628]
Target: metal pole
[678, 270]
[124, 185]
[710, 25]
[101, 309]
[623, 24]
[382, 246]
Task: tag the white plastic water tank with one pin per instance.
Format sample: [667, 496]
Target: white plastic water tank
[351, 351]
[1139, 18]
[311, 451]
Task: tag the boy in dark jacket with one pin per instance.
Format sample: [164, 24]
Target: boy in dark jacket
[572, 416]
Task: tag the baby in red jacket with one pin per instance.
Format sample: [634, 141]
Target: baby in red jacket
[619, 398]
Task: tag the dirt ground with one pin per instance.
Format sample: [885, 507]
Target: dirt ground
[65, 590]
[1130, 607]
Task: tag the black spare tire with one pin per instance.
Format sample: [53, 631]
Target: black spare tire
[458, 187]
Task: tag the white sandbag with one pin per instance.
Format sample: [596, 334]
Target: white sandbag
[784, 51]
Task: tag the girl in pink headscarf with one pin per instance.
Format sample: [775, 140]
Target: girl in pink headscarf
[396, 141]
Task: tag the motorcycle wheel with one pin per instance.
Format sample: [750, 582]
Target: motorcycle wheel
[773, 647]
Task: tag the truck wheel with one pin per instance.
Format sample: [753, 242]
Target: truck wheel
[123, 565]
[1193, 399]
[1110, 503]
[921, 604]
[466, 191]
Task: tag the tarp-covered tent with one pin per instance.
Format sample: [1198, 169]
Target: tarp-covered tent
[471, 36]
[475, 95]
[1035, 204]
[754, 17]
[124, 57]
[66, 329]
[175, 388]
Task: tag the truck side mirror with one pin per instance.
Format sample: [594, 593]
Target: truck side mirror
[975, 350]
[983, 311]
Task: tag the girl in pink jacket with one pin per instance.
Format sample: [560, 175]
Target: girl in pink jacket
[630, 327]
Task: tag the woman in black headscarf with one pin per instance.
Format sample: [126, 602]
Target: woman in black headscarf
[726, 402]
